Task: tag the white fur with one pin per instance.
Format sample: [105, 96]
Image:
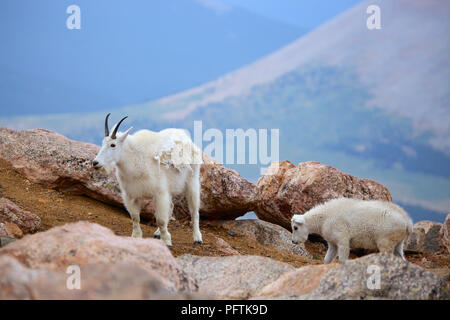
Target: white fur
[351, 223]
[157, 165]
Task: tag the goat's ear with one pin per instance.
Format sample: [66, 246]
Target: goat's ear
[124, 135]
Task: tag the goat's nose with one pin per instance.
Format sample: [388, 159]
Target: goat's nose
[95, 163]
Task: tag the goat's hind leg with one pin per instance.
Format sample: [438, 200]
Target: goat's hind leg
[399, 249]
[162, 213]
[193, 199]
[134, 209]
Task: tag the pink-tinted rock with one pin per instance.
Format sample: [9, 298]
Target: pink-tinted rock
[295, 283]
[287, 189]
[444, 236]
[97, 281]
[425, 237]
[8, 229]
[357, 280]
[234, 277]
[225, 194]
[398, 280]
[25, 220]
[57, 162]
[85, 243]
[225, 248]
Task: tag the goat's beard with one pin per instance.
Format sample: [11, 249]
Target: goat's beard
[109, 168]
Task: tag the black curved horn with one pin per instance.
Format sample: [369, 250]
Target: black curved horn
[113, 136]
[106, 125]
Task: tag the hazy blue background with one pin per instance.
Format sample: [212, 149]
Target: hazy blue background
[371, 103]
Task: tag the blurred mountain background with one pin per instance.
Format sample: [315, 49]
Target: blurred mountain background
[373, 103]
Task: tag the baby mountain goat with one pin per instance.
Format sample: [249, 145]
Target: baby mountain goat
[350, 223]
[157, 165]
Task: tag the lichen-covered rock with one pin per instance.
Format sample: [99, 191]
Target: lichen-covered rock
[286, 189]
[425, 237]
[57, 162]
[399, 280]
[266, 233]
[25, 220]
[444, 236]
[85, 243]
[234, 277]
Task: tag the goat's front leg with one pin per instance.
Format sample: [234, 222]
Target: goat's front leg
[193, 199]
[331, 253]
[134, 209]
[157, 234]
[163, 205]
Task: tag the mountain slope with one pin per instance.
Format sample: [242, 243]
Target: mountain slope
[125, 52]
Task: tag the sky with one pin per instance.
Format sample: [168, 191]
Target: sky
[131, 52]
[303, 13]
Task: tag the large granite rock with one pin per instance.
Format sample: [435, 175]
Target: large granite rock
[85, 243]
[295, 283]
[97, 281]
[399, 280]
[234, 277]
[286, 189]
[358, 280]
[57, 162]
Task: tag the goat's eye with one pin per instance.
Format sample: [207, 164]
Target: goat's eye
[113, 145]
[295, 228]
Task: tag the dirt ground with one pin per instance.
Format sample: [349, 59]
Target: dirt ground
[57, 208]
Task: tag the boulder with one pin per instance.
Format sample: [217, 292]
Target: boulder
[399, 280]
[266, 233]
[286, 189]
[224, 194]
[234, 277]
[425, 237]
[25, 220]
[97, 281]
[444, 235]
[85, 243]
[295, 283]
[57, 162]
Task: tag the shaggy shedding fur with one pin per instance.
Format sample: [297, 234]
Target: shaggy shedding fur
[157, 165]
[351, 223]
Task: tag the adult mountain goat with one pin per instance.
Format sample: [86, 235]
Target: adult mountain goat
[351, 223]
[157, 165]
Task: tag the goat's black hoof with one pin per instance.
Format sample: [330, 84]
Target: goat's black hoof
[198, 242]
[156, 236]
